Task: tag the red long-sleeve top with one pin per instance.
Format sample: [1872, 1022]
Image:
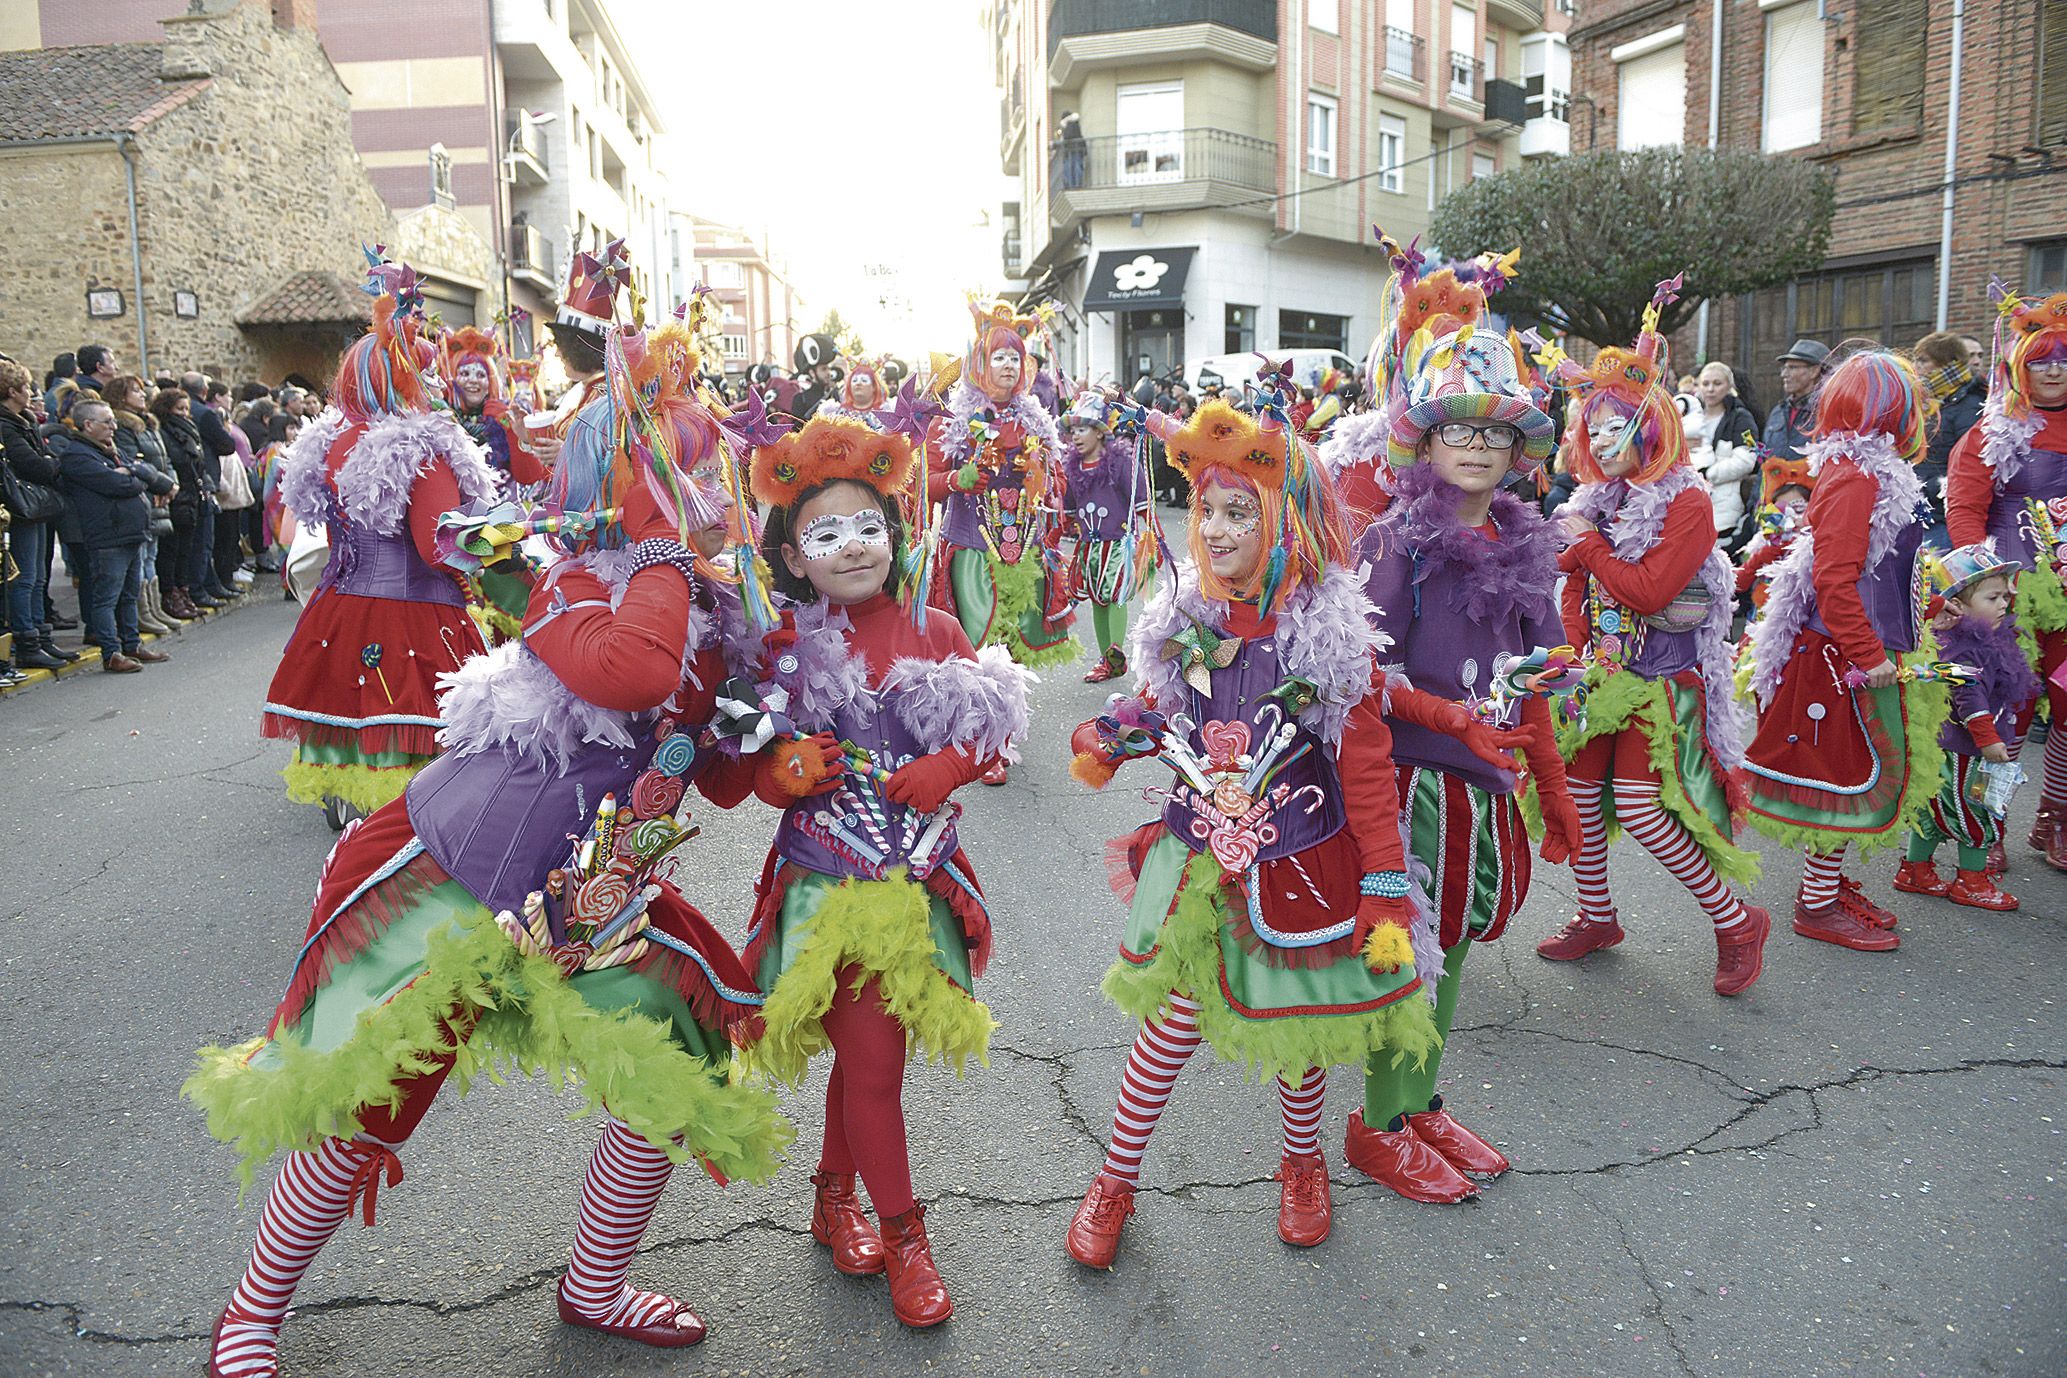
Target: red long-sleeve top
[1841, 515]
[1970, 483]
[1644, 585]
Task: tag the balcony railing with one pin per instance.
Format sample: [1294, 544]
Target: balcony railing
[1506, 102]
[531, 255]
[525, 156]
[1404, 54]
[1171, 155]
[1467, 78]
[1070, 18]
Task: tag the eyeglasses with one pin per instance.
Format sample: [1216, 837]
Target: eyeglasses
[1460, 434]
[2049, 365]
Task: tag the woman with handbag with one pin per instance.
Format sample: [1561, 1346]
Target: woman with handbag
[138, 441]
[34, 503]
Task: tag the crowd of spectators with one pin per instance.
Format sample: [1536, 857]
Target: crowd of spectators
[147, 497]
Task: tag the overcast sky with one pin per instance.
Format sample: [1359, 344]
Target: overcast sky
[863, 137]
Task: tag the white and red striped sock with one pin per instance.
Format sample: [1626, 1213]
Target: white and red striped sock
[1590, 862]
[1160, 1052]
[1666, 838]
[1300, 1109]
[308, 1201]
[1820, 873]
[623, 1185]
[2052, 787]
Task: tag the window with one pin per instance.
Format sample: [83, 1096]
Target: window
[724, 273]
[1326, 15]
[1547, 76]
[1894, 304]
[1149, 122]
[1651, 105]
[1463, 38]
[1320, 135]
[1482, 166]
[1392, 153]
[1402, 47]
[734, 346]
[2052, 82]
[1794, 77]
[1308, 330]
[441, 175]
[1241, 329]
[2046, 268]
[1887, 65]
[1492, 67]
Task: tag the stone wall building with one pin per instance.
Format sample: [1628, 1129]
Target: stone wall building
[193, 203]
[1865, 89]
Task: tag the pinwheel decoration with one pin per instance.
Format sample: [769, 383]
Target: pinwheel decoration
[593, 283]
[466, 541]
[397, 280]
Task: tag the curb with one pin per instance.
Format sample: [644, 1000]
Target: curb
[89, 657]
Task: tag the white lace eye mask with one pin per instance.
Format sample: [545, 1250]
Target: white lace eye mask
[824, 537]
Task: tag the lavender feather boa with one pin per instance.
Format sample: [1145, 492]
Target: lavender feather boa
[1632, 517]
[1515, 576]
[827, 676]
[1792, 596]
[2006, 679]
[967, 400]
[374, 481]
[1353, 438]
[1324, 636]
[979, 704]
[2006, 439]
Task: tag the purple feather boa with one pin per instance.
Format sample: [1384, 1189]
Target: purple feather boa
[827, 675]
[979, 704]
[1324, 636]
[1632, 517]
[385, 461]
[1901, 491]
[1515, 576]
[967, 400]
[2006, 679]
[304, 480]
[2006, 439]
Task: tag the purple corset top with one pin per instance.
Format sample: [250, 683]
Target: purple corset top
[1888, 594]
[371, 565]
[854, 830]
[2010, 522]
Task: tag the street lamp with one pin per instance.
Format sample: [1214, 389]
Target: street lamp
[509, 180]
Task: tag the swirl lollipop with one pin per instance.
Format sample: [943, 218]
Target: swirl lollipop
[675, 755]
[655, 793]
[370, 658]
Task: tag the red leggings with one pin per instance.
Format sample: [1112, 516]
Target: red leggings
[864, 1096]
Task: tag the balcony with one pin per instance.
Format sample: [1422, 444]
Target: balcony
[1546, 137]
[531, 258]
[1506, 103]
[1467, 79]
[1517, 14]
[1406, 56]
[525, 153]
[1087, 35]
[1175, 169]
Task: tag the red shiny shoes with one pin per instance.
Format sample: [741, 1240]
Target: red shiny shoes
[1834, 923]
[1305, 1212]
[1920, 878]
[2049, 835]
[838, 1222]
[1464, 1150]
[1851, 895]
[1579, 936]
[995, 775]
[917, 1295]
[1111, 665]
[1978, 890]
[1404, 1161]
[665, 1324]
[1740, 951]
[1094, 1233]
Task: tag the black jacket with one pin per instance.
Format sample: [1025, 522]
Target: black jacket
[1738, 425]
[26, 453]
[107, 496]
[183, 448]
[215, 441]
[1957, 415]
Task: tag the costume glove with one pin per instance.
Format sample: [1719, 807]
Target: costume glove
[785, 772]
[926, 783]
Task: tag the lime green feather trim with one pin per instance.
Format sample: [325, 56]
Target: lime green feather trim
[882, 928]
[1019, 600]
[1616, 701]
[527, 1019]
[1188, 961]
[365, 788]
[2041, 607]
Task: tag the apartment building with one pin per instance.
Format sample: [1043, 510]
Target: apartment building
[757, 309]
[1945, 173]
[1200, 177]
[530, 118]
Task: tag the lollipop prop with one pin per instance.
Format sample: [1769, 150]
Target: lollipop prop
[1546, 672]
[1949, 672]
[370, 658]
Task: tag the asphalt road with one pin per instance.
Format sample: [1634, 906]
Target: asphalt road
[1855, 1169]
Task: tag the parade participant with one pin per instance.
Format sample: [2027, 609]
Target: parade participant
[1354, 456]
[355, 689]
[469, 361]
[816, 359]
[1463, 576]
[1847, 751]
[861, 393]
[1106, 488]
[1975, 628]
[417, 962]
[1656, 749]
[1785, 489]
[870, 926]
[1269, 907]
[997, 462]
[2005, 477]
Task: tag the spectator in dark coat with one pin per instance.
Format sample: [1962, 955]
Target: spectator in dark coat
[201, 575]
[1794, 415]
[1942, 359]
[63, 376]
[188, 456]
[114, 523]
[30, 542]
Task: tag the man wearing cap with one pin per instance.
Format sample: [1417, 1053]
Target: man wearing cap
[1793, 416]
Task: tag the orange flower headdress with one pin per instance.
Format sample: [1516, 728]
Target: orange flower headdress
[1635, 379]
[827, 449]
[1781, 472]
[470, 344]
[998, 326]
[2024, 331]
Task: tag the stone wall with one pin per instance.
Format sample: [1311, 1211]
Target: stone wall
[443, 245]
[67, 217]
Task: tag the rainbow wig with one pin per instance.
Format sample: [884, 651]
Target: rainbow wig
[1305, 518]
[1875, 392]
[1654, 430]
[2039, 334]
[470, 345]
[382, 374]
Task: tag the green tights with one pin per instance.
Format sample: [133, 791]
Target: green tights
[1923, 848]
[1109, 625]
[1389, 1091]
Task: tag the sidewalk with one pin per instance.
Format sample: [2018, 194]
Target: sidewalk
[260, 589]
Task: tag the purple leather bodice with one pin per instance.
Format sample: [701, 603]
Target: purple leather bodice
[1099, 498]
[370, 565]
[808, 833]
[498, 819]
[1665, 653]
[2043, 476]
[1306, 795]
[1889, 595]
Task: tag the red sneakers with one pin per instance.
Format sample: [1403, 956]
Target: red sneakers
[1834, 923]
[1305, 1212]
[1740, 951]
[1579, 936]
[1094, 1234]
[1921, 878]
[2049, 835]
[1978, 890]
[1851, 895]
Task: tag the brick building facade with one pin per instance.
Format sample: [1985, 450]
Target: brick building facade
[1864, 88]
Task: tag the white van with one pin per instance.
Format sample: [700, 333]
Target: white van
[1233, 370]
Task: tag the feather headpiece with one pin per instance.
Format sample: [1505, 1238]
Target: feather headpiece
[2025, 331]
[826, 449]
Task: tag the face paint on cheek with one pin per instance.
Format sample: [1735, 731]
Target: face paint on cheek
[1241, 519]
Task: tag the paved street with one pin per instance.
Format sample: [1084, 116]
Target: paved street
[1856, 1169]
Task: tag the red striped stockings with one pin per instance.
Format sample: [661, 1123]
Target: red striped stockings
[618, 1196]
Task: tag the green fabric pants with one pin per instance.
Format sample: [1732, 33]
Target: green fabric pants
[1109, 625]
[1389, 1091]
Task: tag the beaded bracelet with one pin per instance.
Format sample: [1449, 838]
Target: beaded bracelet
[648, 553]
[1386, 885]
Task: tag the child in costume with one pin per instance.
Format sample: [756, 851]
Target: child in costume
[1785, 487]
[1974, 629]
[870, 925]
[1108, 495]
[1269, 907]
[861, 394]
[2007, 482]
[469, 360]
[1656, 748]
[355, 687]
[1463, 576]
[1846, 759]
[997, 463]
[417, 963]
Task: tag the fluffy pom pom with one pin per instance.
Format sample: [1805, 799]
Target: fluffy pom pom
[1388, 948]
[1092, 771]
[798, 766]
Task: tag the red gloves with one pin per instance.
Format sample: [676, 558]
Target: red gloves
[926, 783]
[1452, 719]
[1538, 743]
[788, 771]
